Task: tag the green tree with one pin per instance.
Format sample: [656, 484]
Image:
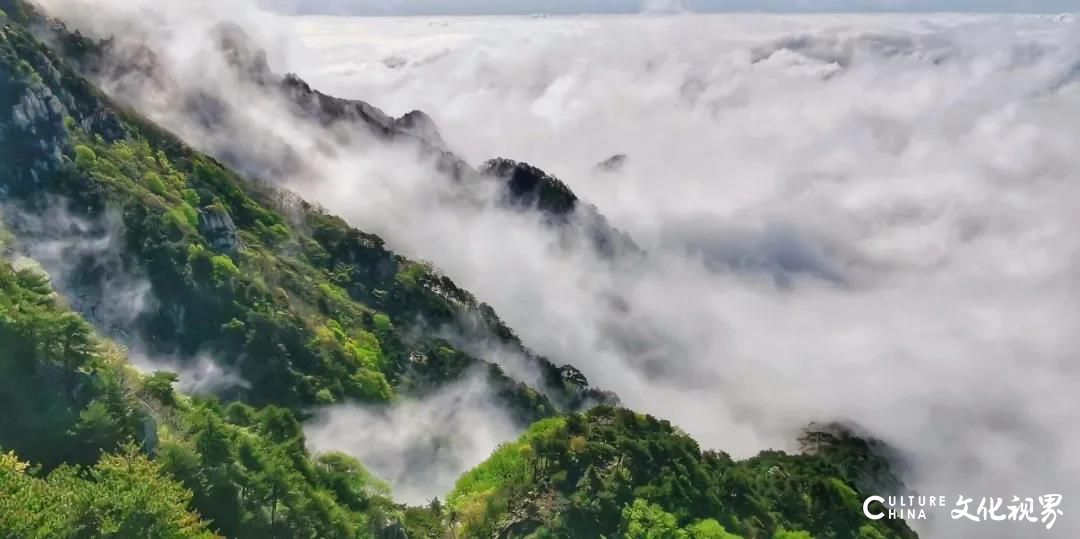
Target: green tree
[711, 529]
[124, 495]
[644, 520]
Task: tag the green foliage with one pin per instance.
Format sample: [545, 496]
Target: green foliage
[509, 467]
[644, 520]
[123, 495]
[7, 240]
[252, 477]
[224, 268]
[191, 216]
[785, 534]
[349, 479]
[255, 303]
[382, 323]
[612, 472]
[710, 529]
[296, 268]
[179, 221]
[309, 311]
[154, 183]
[244, 470]
[191, 197]
[410, 275]
[65, 400]
[84, 157]
[160, 386]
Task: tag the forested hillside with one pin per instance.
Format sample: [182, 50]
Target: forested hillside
[117, 454]
[118, 238]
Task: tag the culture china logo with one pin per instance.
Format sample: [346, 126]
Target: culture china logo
[1043, 510]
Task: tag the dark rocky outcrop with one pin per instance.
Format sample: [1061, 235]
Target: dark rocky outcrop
[34, 108]
[218, 228]
[528, 186]
[614, 163]
[420, 125]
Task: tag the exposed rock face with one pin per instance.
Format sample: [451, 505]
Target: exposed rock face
[36, 123]
[329, 110]
[570, 375]
[34, 108]
[38, 104]
[150, 439]
[614, 163]
[218, 227]
[575, 392]
[420, 125]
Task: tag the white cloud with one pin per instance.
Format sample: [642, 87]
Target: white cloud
[84, 259]
[474, 7]
[847, 217]
[871, 221]
[419, 446]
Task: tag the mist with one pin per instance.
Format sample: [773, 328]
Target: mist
[83, 257]
[568, 7]
[846, 218]
[419, 446]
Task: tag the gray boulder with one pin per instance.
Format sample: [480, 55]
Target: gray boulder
[218, 228]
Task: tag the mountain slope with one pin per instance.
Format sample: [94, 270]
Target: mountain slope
[132, 69]
[612, 472]
[69, 396]
[608, 472]
[173, 254]
[304, 308]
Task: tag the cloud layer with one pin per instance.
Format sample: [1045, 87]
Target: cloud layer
[847, 217]
[493, 7]
[850, 217]
[418, 446]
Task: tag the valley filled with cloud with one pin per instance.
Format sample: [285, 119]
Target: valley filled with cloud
[846, 216]
[854, 218]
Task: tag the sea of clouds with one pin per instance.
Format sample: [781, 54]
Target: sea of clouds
[869, 219]
[850, 217]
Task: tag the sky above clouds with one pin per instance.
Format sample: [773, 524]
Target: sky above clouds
[474, 7]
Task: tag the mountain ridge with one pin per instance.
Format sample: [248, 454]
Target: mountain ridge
[112, 59]
[309, 311]
[332, 243]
